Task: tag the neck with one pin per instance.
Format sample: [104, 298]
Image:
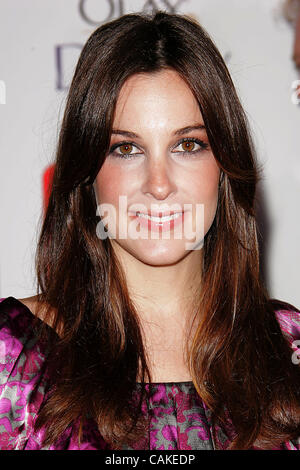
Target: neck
[162, 292]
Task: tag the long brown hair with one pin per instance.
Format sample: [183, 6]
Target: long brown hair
[239, 360]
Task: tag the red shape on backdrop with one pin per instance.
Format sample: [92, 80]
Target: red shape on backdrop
[47, 185]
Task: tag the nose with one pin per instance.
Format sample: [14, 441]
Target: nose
[159, 182]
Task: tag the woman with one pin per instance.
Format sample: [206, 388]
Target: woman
[161, 338]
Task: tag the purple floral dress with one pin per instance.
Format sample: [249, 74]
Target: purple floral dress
[181, 419]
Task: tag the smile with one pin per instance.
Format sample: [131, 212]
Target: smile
[162, 219]
[158, 223]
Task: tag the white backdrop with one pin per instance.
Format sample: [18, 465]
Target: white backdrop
[40, 41]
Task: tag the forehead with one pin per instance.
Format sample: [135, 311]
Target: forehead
[163, 95]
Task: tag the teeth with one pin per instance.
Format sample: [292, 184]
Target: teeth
[160, 219]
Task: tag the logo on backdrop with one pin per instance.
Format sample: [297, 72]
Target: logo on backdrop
[116, 8]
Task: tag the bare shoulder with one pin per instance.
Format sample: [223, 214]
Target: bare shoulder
[38, 309]
[31, 303]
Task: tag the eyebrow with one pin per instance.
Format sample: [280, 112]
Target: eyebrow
[181, 131]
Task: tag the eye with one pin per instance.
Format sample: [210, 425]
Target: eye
[190, 145]
[124, 150]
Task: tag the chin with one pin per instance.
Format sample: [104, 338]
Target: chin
[155, 252]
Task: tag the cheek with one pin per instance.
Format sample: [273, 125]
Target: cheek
[206, 184]
[111, 183]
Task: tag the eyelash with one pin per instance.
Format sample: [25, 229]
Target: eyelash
[202, 144]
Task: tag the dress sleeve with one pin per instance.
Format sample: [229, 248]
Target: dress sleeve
[21, 374]
[289, 321]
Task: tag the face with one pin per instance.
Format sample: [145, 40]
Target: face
[160, 161]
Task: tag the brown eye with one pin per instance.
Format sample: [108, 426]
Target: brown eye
[188, 146]
[126, 148]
